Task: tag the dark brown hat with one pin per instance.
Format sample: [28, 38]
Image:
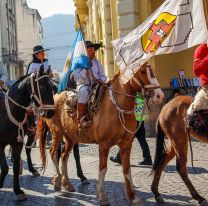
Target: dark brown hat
[90, 44]
[38, 49]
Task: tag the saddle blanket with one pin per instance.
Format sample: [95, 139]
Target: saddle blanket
[197, 113]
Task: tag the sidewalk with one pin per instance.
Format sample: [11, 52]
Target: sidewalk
[40, 191]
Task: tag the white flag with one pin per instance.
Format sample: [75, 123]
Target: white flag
[176, 25]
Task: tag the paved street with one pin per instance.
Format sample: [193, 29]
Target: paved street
[40, 191]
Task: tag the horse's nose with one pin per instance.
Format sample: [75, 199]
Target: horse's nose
[158, 96]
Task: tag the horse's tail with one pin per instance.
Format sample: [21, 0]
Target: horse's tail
[42, 129]
[160, 146]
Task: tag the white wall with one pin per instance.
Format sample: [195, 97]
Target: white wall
[29, 30]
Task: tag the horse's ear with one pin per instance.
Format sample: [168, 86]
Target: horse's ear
[41, 70]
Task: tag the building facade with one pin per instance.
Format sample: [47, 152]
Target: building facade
[0, 39]
[9, 37]
[106, 20]
[29, 30]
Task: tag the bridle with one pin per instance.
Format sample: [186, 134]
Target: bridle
[38, 99]
[20, 137]
[147, 91]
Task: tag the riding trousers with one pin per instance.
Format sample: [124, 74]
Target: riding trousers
[83, 91]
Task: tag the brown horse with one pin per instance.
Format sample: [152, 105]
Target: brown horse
[117, 109]
[172, 122]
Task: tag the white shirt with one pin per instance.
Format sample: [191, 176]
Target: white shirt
[35, 67]
[80, 75]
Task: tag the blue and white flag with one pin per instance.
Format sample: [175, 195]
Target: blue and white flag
[77, 58]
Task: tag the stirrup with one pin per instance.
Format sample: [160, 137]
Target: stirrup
[84, 123]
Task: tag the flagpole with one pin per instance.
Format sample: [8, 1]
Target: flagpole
[205, 3]
[80, 25]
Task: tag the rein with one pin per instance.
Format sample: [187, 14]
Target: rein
[15, 122]
[146, 93]
[34, 95]
[146, 89]
[121, 112]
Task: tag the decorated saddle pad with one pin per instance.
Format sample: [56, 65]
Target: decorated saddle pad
[94, 99]
[71, 102]
[197, 113]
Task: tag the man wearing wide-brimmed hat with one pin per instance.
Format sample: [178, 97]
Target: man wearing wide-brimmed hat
[39, 60]
[85, 78]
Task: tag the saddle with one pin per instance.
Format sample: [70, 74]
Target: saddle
[94, 100]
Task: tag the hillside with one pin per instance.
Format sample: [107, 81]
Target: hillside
[58, 36]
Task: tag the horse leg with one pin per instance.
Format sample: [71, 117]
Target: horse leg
[4, 167]
[168, 156]
[182, 170]
[103, 155]
[78, 165]
[54, 156]
[28, 153]
[17, 148]
[64, 158]
[125, 161]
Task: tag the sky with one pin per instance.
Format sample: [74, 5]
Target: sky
[48, 8]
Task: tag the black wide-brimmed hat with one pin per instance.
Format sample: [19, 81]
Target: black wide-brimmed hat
[90, 44]
[38, 49]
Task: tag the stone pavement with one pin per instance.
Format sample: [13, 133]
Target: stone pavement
[40, 191]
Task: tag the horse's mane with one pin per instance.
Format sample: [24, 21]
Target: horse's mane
[114, 79]
[15, 85]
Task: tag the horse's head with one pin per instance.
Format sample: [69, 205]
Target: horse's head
[42, 94]
[145, 81]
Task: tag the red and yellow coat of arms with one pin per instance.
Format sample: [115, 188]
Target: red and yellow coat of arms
[158, 32]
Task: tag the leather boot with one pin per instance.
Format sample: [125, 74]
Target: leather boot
[81, 112]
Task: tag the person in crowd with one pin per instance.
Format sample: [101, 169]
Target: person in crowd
[34, 66]
[176, 93]
[140, 134]
[200, 66]
[39, 60]
[85, 79]
[3, 74]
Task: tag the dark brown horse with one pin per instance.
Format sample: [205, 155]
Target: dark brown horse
[172, 122]
[117, 109]
[34, 87]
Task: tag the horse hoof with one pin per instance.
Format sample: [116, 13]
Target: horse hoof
[85, 182]
[57, 188]
[137, 201]
[21, 197]
[36, 174]
[204, 203]
[159, 199]
[104, 202]
[69, 188]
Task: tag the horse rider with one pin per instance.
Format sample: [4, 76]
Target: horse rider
[34, 66]
[3, 74]
[201, 63]
[85, 79]
[38, 61]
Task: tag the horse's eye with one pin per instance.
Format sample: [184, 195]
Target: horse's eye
[143, 72]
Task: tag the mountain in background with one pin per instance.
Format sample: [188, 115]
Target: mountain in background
[59, 33]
